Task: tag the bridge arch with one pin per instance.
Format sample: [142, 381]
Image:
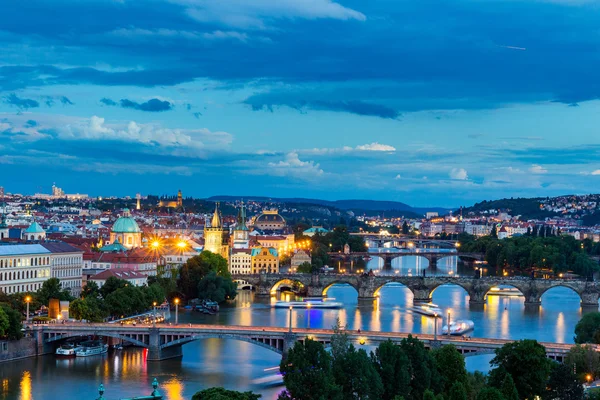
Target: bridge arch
[340, 283]
[277, 347]
[400, 285]
[466, 288]
[571, 288]
[286, 282]
[99, 333]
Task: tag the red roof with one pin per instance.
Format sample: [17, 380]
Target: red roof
[122, 273]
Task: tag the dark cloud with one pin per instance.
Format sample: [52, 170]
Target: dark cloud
[64, 100]
[197, 115]
[31, 123]
[152, 105]
[23, 104]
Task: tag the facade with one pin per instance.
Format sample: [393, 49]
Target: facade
[126, 231]
[66, 264]
[3, 227]
[310, 232]
[240, 261]
[24, 267]
[299, 258]
[241, 234]
[278, 242]
[131, 276]
[213, 235]
[173, 204]
[265, 260]
[135, 260]
[34, 232]
[270, 220]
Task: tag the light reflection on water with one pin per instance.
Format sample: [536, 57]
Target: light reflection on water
[235, 365]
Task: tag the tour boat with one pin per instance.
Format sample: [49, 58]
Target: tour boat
[459, 327]
[429, 309]
[310, 302]
[92, 348]
[67, 350]
[504, 291]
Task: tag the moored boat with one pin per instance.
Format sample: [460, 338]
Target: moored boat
[459, 327]
[92, 348]
[67, 350]
[310, 302]
[428, 309]
[504, 291]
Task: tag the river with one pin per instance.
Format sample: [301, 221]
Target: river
[241, 365]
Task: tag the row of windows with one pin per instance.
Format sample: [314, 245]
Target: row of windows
[24, 262]
[265, 270]
[61, 273]
[21, 288]
[240, 271]
[67, 260]
[29, 274]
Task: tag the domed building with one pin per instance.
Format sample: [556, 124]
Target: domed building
[34, 232]
[126, 231]
[269, 220]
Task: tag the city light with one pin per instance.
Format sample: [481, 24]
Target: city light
[155, 244]
[182, 244]
[176, 301]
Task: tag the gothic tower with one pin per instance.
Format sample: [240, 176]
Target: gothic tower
[241, 234]
[213, 235]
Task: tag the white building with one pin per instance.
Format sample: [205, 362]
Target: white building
[24, 267]
[240, 261]
[133, 277]
[66, 262]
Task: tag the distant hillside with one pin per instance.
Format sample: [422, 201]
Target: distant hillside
[369, 207]
[527, 208]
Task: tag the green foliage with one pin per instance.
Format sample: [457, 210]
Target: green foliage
[111, 285]
[585, 360]
[197, 268]
[458, 392]
[509, 390]
[14, 322]
[4, 323]
[587, 329]
[393, 366]
[131, 300]
[424, 373]
[428, 395]
[490, 393]
[216, 288]
[218, 393]
[563, 384]
[526, 361]
[90, 309]
[451, 367]
[477, 382]
[90, 289]
[51, 289]
[307, 373]
[305, 268]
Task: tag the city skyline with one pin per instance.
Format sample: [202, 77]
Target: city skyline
[429, 104]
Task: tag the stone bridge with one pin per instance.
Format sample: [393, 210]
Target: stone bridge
[422, 287]
[431, 255]
[165, 342]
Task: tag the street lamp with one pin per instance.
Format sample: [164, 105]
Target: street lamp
[448, 322]
[154, 320]
[308, 306]
[435, 317]
[27, 300]
[176, 311]
[290, 319]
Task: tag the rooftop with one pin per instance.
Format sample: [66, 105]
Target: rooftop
[22, 249]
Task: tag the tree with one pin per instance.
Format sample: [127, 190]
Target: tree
[219, 393]
[423, 371]
[477, 382]
[307, 373]
[509, 390]
[587, 329]
[393, 367]
[51, 289]
[4, 323]
[14, 322]
[216, 288]
[526, 361]
[428, 395]
[494, 232]
[451, 367]
[111, 285]
[90, 289]
[88, 309]
[305, 268]
[490, 393]
[128, 300]
[458, 392]
[584, 359]
[197, 268]
[563, 384]
[405, 228]
[154, 294]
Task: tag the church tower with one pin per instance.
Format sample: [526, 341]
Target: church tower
[213, 235]
[241, 234]
[3, 225]
[179, 199]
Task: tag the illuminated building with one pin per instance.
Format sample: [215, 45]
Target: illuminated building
[66, 264]
[240, 261]
[24, 267]
[126, 231]
[178, 204]
[265, 260]
[213, 235]
[241, 234]
[270, 220]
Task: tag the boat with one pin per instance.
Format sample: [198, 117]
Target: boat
[310, 302]
[504, 291]
[92, 348]
[428, 309]
[208, 307]
[459, 327]
[67, 350]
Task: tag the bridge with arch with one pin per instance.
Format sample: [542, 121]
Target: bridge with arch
[164, 342]
[422, 287]
[432, 255]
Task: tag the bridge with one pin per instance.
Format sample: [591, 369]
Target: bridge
[368, 287]
[432, 255]
[165, 342]
[406, 241]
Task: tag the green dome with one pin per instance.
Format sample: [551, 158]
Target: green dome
[126, 225]
[34, 228]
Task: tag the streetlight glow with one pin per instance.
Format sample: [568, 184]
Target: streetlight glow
[182, 244]
[155, 244]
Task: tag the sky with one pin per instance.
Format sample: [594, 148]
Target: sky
[429, 102]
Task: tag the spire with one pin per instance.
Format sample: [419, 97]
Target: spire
[216, 219]
[241, 219]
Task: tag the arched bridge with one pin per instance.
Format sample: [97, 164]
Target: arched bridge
[165, 342]
[432, 255]
[423, 287]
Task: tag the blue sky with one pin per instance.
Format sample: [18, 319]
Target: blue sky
[427, 102]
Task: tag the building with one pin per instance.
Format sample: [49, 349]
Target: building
[178, 204]
[277, 241]
[3, 227]
[241, 234]
[270, 220]
[66, 264]
[129, 275]
[126, 231]
[34, 232]
[137, 260]
[240, 261]
[299, 258]
[265, 260]
[310, 232]
[213, 235]
[23, 267]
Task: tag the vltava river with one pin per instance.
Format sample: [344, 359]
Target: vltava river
[240, 365]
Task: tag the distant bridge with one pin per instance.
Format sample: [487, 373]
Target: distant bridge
[165, 342]
[432, 255]
[406, 241]
[422, 287]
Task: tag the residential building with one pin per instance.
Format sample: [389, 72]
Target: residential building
[133, 277]
[265, 260]
[24, 267]
[299, 258]
[137, 260]
[240, 261]
[66, 264]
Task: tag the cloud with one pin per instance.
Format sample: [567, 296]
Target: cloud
[596, 172]
[372, 147]
[375, 147]
[64, 100]
[31, 123]
[458, 174]
[292, 166]
[152, 105]
[398, 177]
[20, 103]
[537, 169]
[243, 14]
